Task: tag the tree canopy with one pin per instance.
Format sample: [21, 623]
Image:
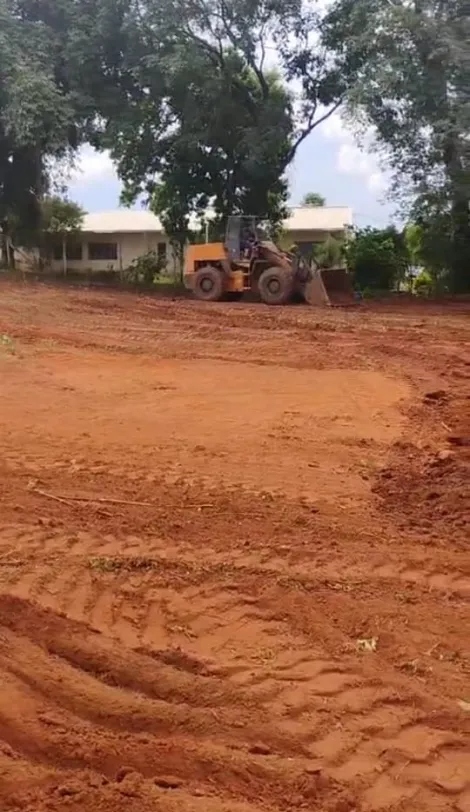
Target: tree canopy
[408, 63]
[214, 121]
[192, 99]
[59, 61]
[313, 199]
[378, 258]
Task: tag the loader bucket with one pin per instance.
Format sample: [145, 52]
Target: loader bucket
[329, 287]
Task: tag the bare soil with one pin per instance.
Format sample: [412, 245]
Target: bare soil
[234, 555]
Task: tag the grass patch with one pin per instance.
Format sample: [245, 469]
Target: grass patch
[116, 564]
[7, 344]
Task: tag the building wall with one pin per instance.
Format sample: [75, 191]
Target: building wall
[129, 247]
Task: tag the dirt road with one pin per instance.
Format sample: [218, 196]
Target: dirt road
[234, 556]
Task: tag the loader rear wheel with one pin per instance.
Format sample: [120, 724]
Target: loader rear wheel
[208, 284]
[276, 286]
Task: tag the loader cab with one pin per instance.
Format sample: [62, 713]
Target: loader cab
[241, 237]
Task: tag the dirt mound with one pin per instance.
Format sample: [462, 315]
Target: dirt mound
[427, 485]
[431, 494]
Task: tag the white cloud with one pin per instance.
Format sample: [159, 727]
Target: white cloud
[91, 166]
[377, 182]
[351, 159]
[334, 128]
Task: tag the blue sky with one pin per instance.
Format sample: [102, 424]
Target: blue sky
[328, 162]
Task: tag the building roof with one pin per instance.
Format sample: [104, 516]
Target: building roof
[302, 218]
[319, 218]
[121, 221]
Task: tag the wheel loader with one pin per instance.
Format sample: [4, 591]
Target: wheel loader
[247, 262]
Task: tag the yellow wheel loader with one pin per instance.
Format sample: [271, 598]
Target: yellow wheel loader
[247, 262]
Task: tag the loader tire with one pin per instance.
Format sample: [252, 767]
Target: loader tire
[208, 284]
[276, 286]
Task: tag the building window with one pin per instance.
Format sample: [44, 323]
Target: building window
[73, 251]
[104, 251]
[161, 253]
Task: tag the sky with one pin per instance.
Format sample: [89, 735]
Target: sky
[328, 162]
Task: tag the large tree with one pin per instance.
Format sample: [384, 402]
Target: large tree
[206, 137]
[211, 119]
[409, 63]
[61, 67]
[187, 96]
[33, 120]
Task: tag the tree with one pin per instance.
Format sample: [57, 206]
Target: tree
[59, 63]
[409, 63]
[313, 199]
[209, 122]
[61, 221]
[330, 253]
[377, 258]
[33, 121]
[413, 239]
[184, 94]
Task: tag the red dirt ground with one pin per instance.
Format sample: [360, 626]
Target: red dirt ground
[204, 510]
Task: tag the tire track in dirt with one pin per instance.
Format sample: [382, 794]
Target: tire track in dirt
[103, 585]
[353, 740]
[19, 543]
[130, 722]
[362, 729]
[207, 659]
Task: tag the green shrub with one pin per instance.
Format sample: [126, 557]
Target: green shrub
[145, 270]
[423, 284]
[377, 258]
[329, 254]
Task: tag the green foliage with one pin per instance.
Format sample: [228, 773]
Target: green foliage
[146, 269]
[206, 122]
[34, 118]
[60, 216]
[437, 245]
[313, 199]
[330, 253]
[409, 66]
[283, 240]
[377, 258]
[61, 221]
[423, 284]
[217, 149]
[413, 241]
[181, 94]
[59, 68]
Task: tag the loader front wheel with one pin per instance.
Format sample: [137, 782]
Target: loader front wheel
[276, 286]
[208, 284]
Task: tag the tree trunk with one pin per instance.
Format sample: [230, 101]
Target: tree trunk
[64, 254]
[10, 251]
[3, 251]
[460, 261]
[178, 245]
[181, 251]
[444, 108]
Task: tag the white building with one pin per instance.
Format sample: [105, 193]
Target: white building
[110, 241]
